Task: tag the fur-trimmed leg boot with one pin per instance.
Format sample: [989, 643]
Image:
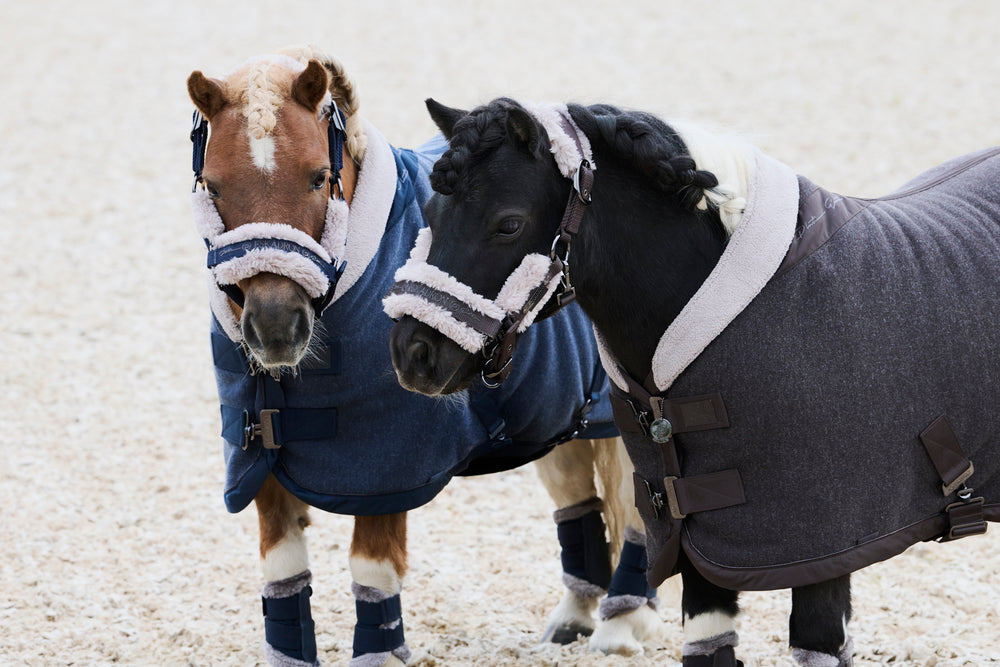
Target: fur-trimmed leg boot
[288, 624]
[586, 570]
[816, 659]
[378, 635]
[715, 651]
[628, 614]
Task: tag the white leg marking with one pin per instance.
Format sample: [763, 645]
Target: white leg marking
[287, 558]
[626, 633]
[707, 625]
[378, 574]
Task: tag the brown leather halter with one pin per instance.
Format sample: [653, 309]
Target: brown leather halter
[499, 348]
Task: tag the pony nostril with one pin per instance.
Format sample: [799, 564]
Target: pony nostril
[418, 354]
[250, 332]
[301, 330]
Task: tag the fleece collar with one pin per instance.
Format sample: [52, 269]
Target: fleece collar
[752, 256]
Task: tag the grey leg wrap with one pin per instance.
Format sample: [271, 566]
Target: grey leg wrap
[715, 651]
[379, 630]
[816, 659]
[585, 561]
[629, 589]
[288, 624]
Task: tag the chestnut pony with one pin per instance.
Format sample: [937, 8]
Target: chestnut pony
[287, 146]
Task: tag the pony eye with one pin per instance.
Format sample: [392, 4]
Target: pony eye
[509, 227]
[319, 180]
[213, 191]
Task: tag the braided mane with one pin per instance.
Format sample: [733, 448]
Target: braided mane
[475, 135]
[637, 138]
[650, 146]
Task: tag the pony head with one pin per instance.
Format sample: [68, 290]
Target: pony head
[267, 174]
[505, 193]
[483, 224]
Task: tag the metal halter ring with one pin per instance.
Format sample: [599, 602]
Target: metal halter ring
[584, 195]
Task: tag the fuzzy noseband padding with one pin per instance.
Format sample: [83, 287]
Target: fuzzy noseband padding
[531, 273]
[268, 259]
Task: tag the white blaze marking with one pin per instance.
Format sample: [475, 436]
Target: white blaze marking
[262, 151]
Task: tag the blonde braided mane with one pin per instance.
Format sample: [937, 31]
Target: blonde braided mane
[263, 84]
[344, 92]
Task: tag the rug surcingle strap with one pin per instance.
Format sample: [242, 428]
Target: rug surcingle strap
[965, 517]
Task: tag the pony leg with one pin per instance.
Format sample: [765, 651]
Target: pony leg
[818, 624]
[378, 564]
[567, 473]
[288, 625]
[628, 616]
[709, 615]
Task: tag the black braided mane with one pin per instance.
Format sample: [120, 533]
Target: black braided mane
[475, 135]
[638, 139]
[649, 145]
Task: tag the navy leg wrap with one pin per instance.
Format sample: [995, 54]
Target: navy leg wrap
[630, 575]
[380, 626]
[288, 625]
[584, 549]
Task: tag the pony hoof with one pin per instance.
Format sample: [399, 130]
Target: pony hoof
[625, 633]
[565, 634]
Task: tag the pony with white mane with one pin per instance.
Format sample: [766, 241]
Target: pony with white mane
[307, 211]
[798, 375]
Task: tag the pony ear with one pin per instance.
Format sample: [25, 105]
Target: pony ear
[205, 93]
[444, 117]
[524, 129]
[310, 86]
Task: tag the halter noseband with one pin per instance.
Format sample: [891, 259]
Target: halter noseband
[336, 137]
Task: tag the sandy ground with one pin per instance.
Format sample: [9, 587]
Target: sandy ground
[115, 546]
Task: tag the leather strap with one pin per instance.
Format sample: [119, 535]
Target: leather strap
[687, 414]
[688, 495]
[946, 454]
[701, 493]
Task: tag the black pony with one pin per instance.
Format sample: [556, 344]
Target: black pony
[799, 374]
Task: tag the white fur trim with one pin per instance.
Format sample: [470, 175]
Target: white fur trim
[397, 305]
[422, 246]
[334, 239]
[529, 274]
[270, 230]
[563, 147]
[273, 260]
[206, 216]
[608, 361]
[432, 276]
[370, 206]
[222, 308]
[513, 294]
[753, 254]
